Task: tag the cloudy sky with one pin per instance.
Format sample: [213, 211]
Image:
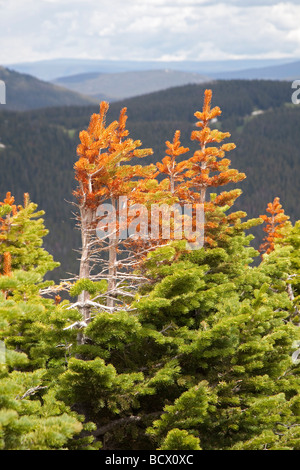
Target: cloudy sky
[148, 29]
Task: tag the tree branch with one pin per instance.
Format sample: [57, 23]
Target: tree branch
[119, 422]
[30, 391]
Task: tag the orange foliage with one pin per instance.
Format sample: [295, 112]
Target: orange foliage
[102, 152]
[208, 168]
[275, 221]
[104, 173]
[26, 199]
[169, 166]
[210, 159]
[5, 222]
[7, 264]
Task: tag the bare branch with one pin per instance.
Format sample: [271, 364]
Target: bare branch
[30, 391]
[119, 422]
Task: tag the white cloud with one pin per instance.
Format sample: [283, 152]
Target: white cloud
[153, 29]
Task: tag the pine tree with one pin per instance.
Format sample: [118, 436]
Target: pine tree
[21, 233]
[103, 177]
[239, 386]
[274, 223]
[210, 169]
[205, 360]
[36, 345]
[281, 233]
[292, 240]
[174, 170]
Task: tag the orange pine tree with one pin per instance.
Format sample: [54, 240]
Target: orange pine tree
[103, 177]
[104, 174]
[210, 169]
[274, 223]
[188, 181]
[191, 179]
[5, 220]
[205, 160]
[169, 166]
[5, 224]
[157, 197]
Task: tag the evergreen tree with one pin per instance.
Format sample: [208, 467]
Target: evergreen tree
[274, 223]
[204, 357]
[103, 177]
[242, 388]
[291, 239]
[21, 232]
[205, 361]
[281, 233]
[36, 347]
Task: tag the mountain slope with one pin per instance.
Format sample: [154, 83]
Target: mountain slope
[118, 86]
[290, 71]
[24, 92]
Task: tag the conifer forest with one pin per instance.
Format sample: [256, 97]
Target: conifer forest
[178, 327]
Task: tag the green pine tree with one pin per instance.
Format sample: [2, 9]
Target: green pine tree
[34, 344]
[205, 360]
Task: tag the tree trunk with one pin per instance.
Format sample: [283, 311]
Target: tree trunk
[86, 215]
[112, 262]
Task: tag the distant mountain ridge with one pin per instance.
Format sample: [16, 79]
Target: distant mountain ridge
[24, 92]
[83, 81]
[55, 68]
[122, 85]
[290, 71]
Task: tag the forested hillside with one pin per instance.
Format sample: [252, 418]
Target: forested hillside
[39, 148]
[25, 92]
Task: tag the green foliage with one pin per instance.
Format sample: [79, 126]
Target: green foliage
[36, 346]
[188, 411]
[23, 240]
[86, 284]
[292, 243]
[180, 439]
[240, 342]
[30, 417]
[203, 361]
[106, 389]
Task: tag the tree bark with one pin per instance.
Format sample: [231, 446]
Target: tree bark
[112, 262]
[86, 215]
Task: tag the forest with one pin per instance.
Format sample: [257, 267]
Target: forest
[146, 342]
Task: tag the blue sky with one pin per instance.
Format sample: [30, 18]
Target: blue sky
[148, 29]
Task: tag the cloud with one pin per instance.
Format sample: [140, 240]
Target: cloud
[156, 29]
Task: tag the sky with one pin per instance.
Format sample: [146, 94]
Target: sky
[32, 30]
